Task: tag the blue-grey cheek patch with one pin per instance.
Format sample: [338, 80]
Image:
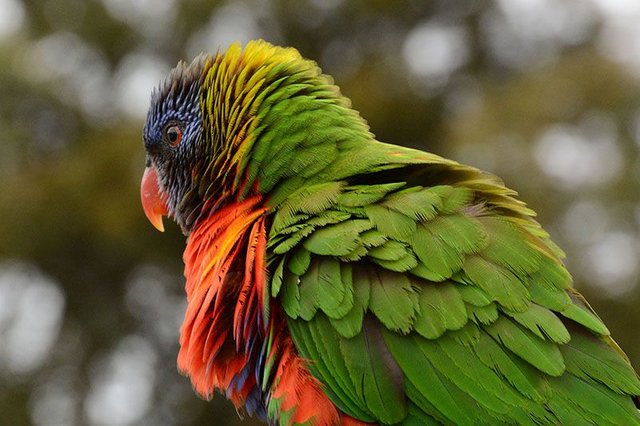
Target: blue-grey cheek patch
[177, 99]
[187, 113]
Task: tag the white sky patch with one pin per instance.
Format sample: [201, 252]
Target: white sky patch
[82, 71]
[122, 384]
[59, 55]
[585, 221]
[31, 313]
[566, 21]
[232, 22]
[613, 263]
[619, 37]
[579, 156]
[618, 8]
[12, 17]
[54, 401]
[137, 75]
[152, 297]
[434, 51]
[151, 17]
[526, 31]
[620, 41]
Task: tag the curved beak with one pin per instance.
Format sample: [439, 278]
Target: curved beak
[152, 203]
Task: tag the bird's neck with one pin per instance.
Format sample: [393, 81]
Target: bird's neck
[273, 125]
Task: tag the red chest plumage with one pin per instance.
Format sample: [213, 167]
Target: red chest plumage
[225, 283]
[234, 338]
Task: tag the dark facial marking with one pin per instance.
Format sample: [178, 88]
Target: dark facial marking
[173, 137]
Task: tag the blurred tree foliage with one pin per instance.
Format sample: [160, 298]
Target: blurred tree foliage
[544, 94]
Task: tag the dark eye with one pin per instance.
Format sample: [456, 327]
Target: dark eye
[173, 134]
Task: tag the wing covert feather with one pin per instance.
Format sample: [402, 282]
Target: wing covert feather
[475, 306]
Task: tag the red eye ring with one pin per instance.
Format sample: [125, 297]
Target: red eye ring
[173, 135]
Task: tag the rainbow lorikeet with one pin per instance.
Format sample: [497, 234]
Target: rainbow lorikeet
[333, 279]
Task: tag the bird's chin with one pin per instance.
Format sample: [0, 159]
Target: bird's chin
[153, 202]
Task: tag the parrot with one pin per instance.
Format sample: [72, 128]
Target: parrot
[333, 279]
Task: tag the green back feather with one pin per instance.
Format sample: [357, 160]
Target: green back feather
[475, 306]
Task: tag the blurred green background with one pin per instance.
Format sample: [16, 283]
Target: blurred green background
[544, 93]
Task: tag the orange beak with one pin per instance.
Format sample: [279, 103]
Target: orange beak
[152, 203]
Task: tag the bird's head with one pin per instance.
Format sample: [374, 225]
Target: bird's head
[238, 124]
[174, 145]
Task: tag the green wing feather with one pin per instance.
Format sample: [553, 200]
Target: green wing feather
[432, 296]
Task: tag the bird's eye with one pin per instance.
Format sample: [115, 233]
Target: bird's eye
[173, 134]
